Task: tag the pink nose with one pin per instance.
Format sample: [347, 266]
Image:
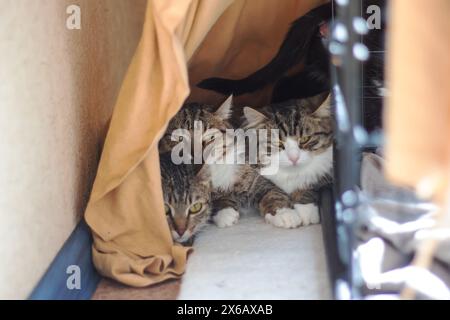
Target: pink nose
[180, 230]
[179, 225]
[294, 158]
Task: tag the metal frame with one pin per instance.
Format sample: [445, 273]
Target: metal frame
[338, 206]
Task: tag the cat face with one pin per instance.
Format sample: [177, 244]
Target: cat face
[193, 113]
[187, 197]
[305, 131]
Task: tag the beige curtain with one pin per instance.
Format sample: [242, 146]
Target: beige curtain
[132, 243]
[418, 111]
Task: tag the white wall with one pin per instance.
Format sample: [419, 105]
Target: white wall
[57, 90]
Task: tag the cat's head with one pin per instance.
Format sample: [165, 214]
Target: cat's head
[194, 113]
[305, 130]
[187, 198]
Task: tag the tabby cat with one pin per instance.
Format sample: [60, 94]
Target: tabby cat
[303, 153]
[187, 198]
[234, 185]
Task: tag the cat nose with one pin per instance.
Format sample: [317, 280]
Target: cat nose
[294, 158]
[180, 230]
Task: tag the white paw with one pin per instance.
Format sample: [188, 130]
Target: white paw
[309, 213]
[284, 218]
[226, 217]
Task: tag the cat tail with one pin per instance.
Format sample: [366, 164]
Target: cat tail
[292, 51]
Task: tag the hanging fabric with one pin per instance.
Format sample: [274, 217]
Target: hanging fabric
[132, 242]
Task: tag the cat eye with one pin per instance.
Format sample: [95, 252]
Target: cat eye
[167, 209]
[305, 139]
[196, 208]
[280, 144]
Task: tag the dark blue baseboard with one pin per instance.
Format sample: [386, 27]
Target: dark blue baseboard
[73, 260]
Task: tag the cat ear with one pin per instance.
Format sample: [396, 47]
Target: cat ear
[253, 117]
[324, 110]
[225, 110]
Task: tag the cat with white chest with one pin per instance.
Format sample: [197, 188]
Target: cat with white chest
[234, 186]
[303, 154]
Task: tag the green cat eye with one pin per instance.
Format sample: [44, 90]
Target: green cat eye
[167, 209]
[304, 139]
[195, 208]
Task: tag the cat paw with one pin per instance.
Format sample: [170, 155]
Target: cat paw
[284, 218]
[226, 217]
[309, 213]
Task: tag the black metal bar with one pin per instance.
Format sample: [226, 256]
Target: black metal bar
[346, 80]
[335, 266]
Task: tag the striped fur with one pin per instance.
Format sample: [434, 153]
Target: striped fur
[306, 136]
[183, 188]
[234, 186]
[192, 112]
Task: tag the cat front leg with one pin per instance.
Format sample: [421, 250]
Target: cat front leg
[276, 208]
[306, 206]
[225, 210]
